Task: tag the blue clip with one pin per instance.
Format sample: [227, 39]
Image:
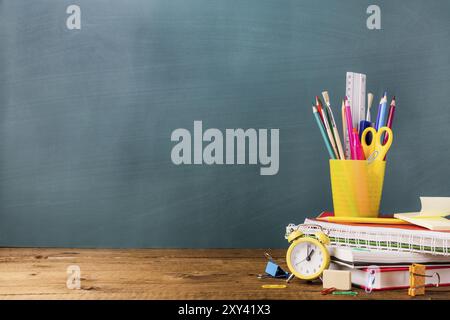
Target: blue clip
[273, 270]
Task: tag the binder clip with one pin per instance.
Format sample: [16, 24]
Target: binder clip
[273, 270]
[417, 279]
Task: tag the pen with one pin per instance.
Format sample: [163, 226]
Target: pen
[348, 116]
[322, 131]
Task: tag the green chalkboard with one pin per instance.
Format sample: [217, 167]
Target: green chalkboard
[87, 114]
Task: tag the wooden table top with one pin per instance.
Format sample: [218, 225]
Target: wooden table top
[33, 273]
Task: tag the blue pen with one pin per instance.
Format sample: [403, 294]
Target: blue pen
[383, 112]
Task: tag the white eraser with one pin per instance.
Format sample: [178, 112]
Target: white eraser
[339, 279]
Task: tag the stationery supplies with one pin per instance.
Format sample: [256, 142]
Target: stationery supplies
[345, 132]
[273, 286]
[403, 238]
[363, 220]
[340, 150]
[273, 270]
[387, 278]
[382, 113]
[349, 125]
[433, 214]
[417, 280]
[356, 94]
[364, 124]
[376, 151]
[345, 293]
[326, 122]
[324, 135]
[356, 146]
[369, 106]
[339, 279]
[363, 258]
[390, 119]
[327, 291]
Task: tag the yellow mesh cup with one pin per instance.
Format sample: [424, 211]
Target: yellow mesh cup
[357, 187]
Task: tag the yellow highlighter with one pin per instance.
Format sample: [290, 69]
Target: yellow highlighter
[364, 220]
[376, 150]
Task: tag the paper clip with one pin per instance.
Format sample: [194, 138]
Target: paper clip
[327, 291]
[373, 156]
[417, 280]
[273, 270]
[371, 272]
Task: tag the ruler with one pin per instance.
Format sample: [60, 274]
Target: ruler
[356, 94]
[355, 90]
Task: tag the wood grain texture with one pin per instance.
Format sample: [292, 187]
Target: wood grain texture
[156, 274]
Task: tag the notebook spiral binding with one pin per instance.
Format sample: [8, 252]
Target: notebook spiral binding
[407, 242]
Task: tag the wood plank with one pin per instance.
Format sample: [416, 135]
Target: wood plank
[33, 273]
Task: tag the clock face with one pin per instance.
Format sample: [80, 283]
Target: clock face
[307, 259]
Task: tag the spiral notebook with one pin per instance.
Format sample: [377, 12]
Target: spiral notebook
[406, 238]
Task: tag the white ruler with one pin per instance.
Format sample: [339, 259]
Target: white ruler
[356, 94]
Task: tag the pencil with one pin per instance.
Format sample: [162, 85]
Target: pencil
[363, 220]
[390, 119]
[322, 131]
[326, 122]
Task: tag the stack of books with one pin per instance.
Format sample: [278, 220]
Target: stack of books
[385, 251]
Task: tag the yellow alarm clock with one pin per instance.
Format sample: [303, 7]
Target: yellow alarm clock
[308, 256]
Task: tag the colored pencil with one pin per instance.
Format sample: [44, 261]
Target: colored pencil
[322, 131]
[326, 122]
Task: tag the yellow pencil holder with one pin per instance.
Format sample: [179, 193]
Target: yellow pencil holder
[357, 187]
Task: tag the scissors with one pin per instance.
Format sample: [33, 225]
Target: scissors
[376, 150]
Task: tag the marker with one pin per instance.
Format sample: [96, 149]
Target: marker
[356, 146]
[322, 131]
[348, 116]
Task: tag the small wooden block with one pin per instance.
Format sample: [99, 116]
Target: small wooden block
[339, 279]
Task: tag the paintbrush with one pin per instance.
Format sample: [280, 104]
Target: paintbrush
[340, 150]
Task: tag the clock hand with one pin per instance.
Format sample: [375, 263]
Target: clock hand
[309, 255]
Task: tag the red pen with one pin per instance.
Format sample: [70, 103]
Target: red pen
[390, 119]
